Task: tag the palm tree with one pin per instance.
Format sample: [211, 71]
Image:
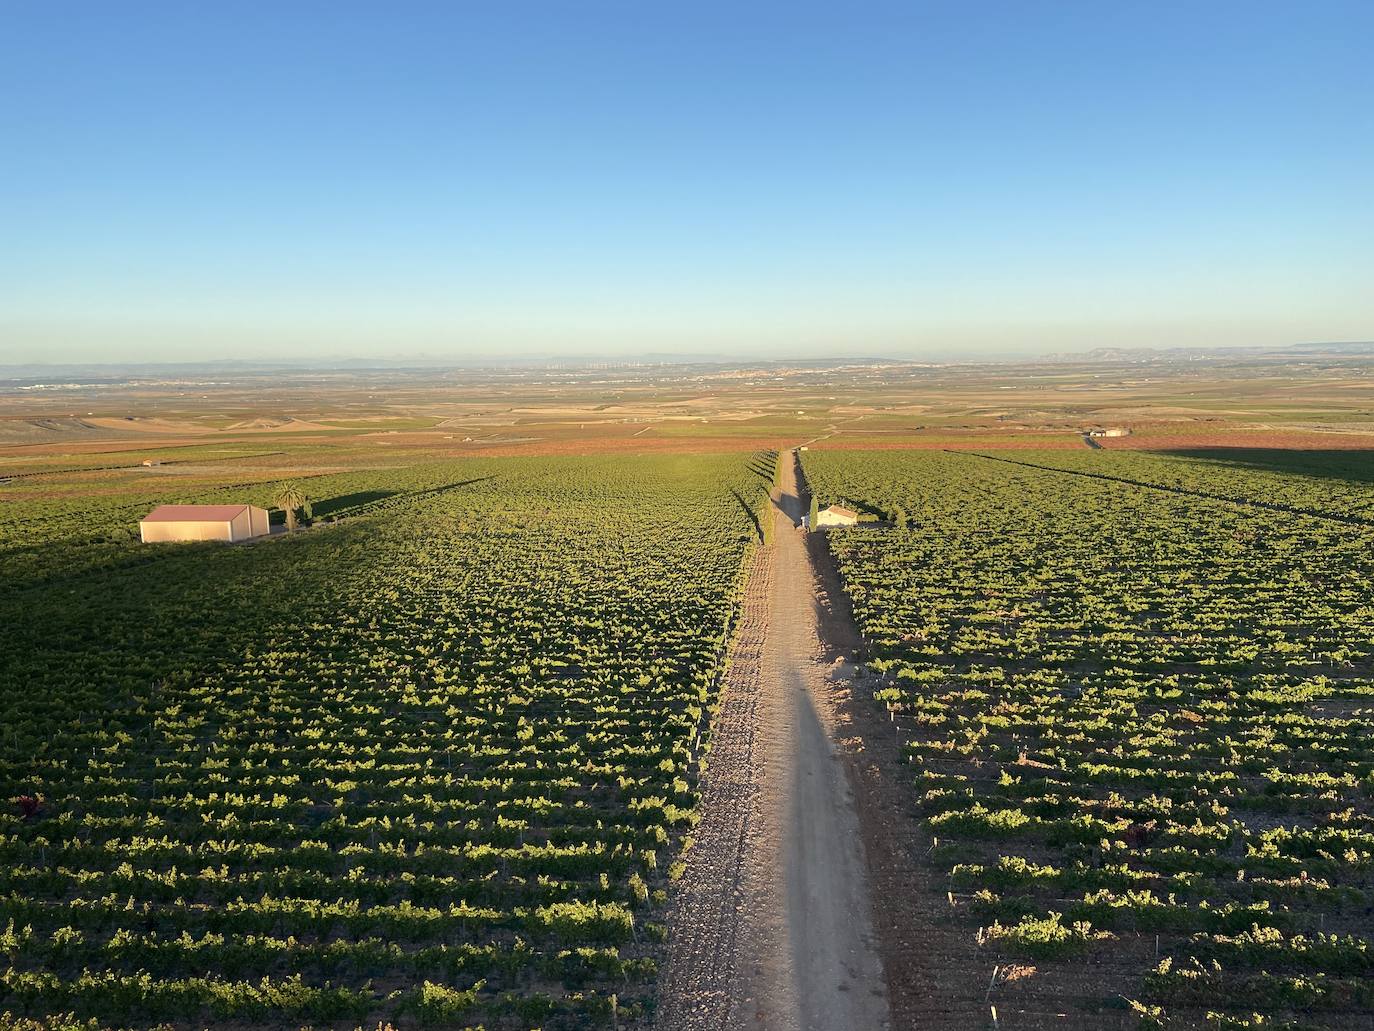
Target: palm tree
[291, 499]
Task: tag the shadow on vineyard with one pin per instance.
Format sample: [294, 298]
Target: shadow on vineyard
[1340, 502]
[362, 502]
[1351, 465]
[361, 499]
[750, 514]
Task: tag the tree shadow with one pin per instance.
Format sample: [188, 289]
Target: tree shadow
[763, 463]
[328, 506]
[358, 503]
[753, 516]
[434, 492]
[864, 508]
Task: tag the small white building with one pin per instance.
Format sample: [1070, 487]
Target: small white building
[204, 523]
[1115, 431]
[836, 515]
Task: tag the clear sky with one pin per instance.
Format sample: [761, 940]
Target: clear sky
[393, 179]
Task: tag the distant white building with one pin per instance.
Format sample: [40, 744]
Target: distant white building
[836, 515]
[1115, 431]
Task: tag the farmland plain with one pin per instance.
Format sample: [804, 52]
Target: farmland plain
[437, 759]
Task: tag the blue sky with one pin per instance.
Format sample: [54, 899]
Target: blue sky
[334, 178]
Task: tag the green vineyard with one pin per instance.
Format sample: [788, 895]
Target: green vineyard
[1136, 694]
[433, 761]
[428, 765]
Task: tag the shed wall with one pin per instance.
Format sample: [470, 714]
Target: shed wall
[153, 532]
[250, 522]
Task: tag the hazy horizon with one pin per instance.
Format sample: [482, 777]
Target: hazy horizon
[1356, 349]
[329, 182]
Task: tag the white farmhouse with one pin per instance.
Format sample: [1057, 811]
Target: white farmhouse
[836, 515]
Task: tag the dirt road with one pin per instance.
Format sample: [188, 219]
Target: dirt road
[772, 926]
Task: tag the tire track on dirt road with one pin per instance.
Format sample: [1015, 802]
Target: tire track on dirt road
[699, 981]
[772, 923]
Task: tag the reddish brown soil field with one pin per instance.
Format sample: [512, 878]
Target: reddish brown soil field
[1277, 439]
[646, 444]
[1057, 442]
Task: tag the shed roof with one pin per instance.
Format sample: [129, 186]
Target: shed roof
[841, 510]
[194, 513]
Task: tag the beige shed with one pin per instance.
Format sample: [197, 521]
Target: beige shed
[836, 515]
[204, 523]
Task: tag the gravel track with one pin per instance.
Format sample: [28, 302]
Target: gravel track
[772, 923]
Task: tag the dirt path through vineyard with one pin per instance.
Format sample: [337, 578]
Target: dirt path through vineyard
[772, 925]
